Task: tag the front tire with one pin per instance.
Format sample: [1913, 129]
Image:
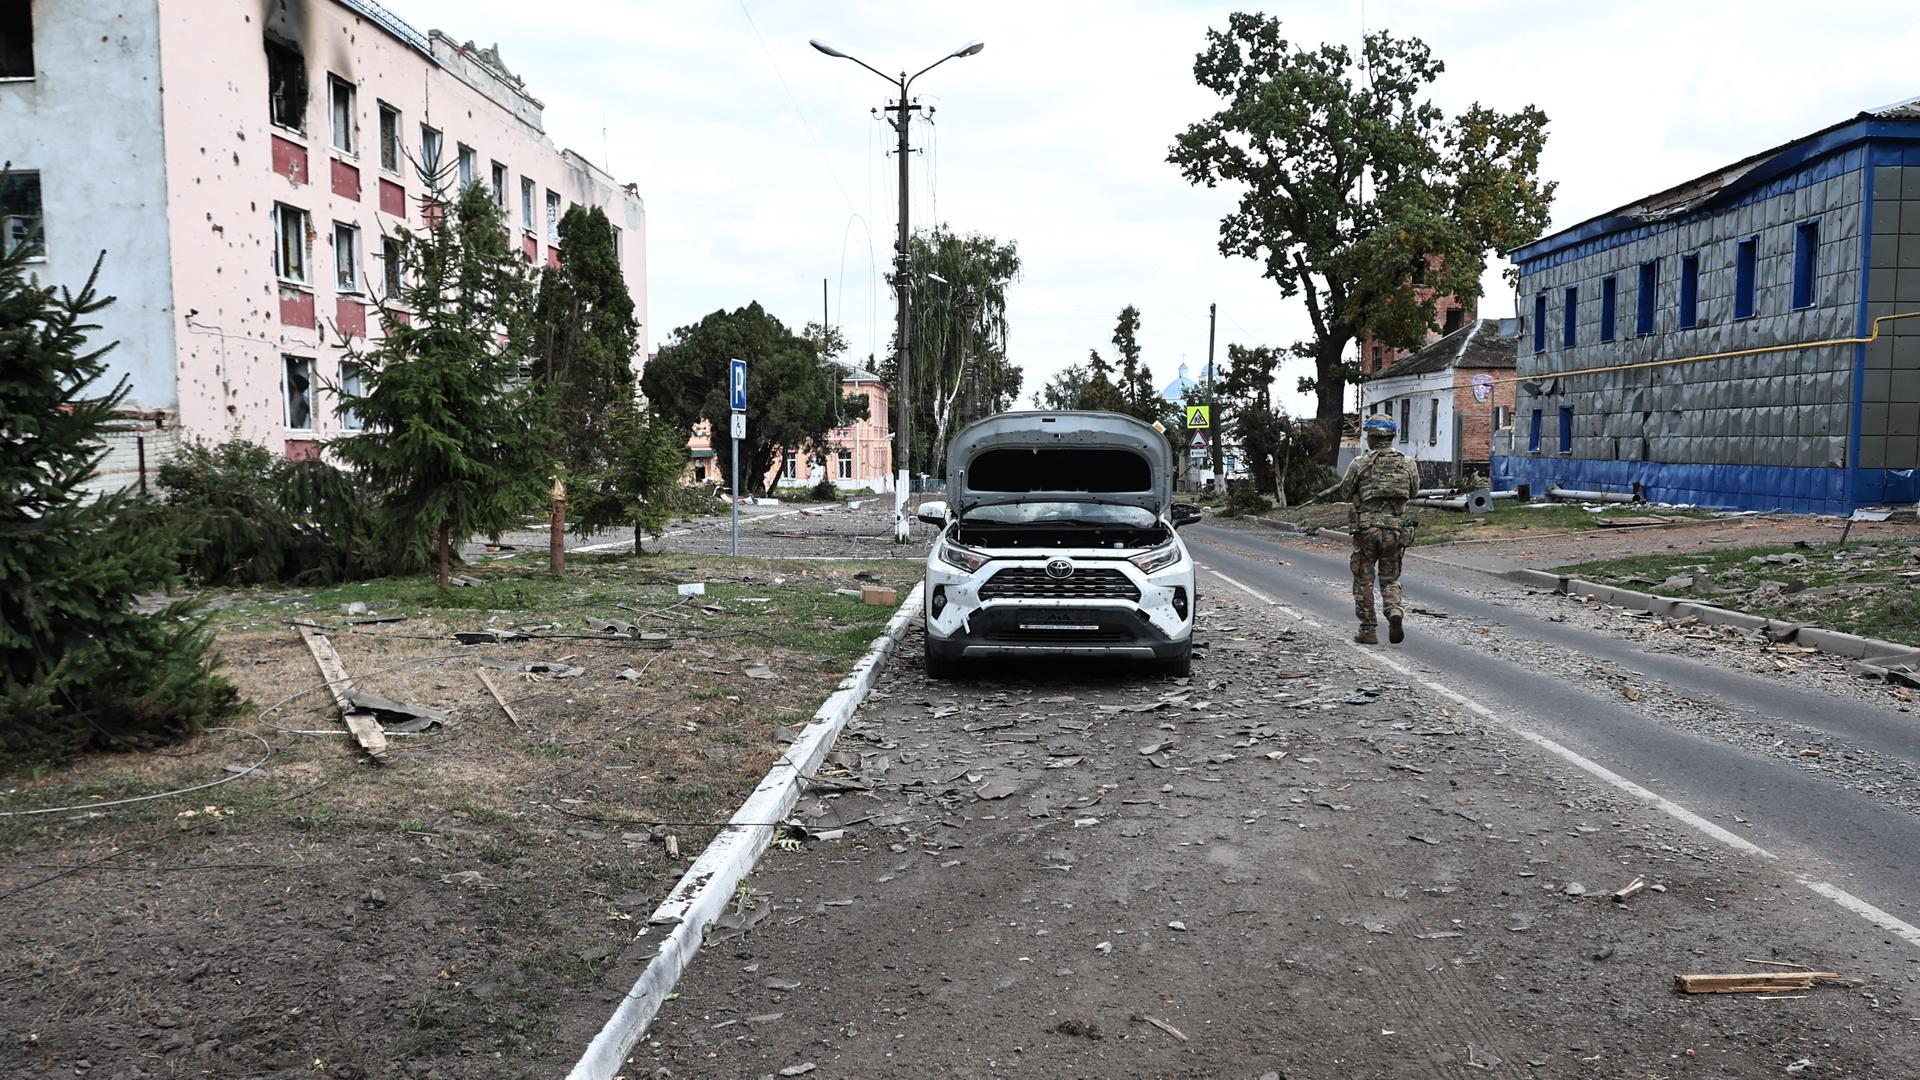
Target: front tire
[939, 668]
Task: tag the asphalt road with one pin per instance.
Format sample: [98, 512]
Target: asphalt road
[1816, 826]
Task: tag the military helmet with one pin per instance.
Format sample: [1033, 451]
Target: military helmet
[1380, 426]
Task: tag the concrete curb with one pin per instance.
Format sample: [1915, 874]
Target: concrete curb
[1872, 652]
[702, 893]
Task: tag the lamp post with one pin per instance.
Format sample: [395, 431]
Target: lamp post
[901, 110]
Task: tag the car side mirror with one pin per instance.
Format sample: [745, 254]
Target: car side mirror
[933, 513]
[1185, 514]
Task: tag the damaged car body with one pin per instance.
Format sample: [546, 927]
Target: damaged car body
[1059, 539]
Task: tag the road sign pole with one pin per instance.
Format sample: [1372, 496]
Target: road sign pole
[735, 473]
[736, 430]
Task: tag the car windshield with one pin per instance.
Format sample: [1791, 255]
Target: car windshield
[1061, 513]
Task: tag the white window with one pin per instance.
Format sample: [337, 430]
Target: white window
[351, 382]
[346, 258]
[1502, 416]
[616, 242]
[526, 204]
[466, 166]
[21, 224]
[553, 216]
[500, 186]
[340, 113]
[389, 138]
[297, 388]
[429, 152]
[290, 243]
[790, 466]
[843, 464]
[390, 266]
[1406, 418]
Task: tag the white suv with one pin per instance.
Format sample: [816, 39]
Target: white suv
[1058, 538]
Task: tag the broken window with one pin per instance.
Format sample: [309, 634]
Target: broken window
[390, 265]
[1456, 318]
[429, 153]
[298, 389]
[340, 113]
[346, 258]
[16, 39]
[286, 85]
[500, 187]
[526, 204]
[466, 166]
[21, 223]
[553, 216]
[352, 382]
[389, 138]
[290, 243]
[1406, 417]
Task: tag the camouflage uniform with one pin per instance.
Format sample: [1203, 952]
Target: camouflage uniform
[1377, 485]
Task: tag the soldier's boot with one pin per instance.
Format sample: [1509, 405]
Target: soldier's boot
[1394, 633]
[1366, 636]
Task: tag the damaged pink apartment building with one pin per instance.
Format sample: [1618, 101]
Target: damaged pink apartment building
[242, 163]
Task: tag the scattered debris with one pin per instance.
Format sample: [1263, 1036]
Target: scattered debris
[1161, 1024]
[878, 596]
[486, 680]
[1620, 895]
[488, 636]
[697, 588]
[410, 717]
[1757, 982]
[366, 730]
[1085, 1029]
[798, 1070]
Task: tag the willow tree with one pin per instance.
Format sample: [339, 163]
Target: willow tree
[1358, 195]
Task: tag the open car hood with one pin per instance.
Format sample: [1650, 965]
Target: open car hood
[1098, 457]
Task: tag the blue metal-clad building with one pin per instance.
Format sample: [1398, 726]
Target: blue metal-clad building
[1722, 342]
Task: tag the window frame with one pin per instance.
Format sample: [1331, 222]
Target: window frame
[1433, 423]
[391, 141]
[843, 464]
[1746, 278]
[352, 284]
[1570, 316]
[1533, 432]
[391, 271]
[430, 163]
[280, 264]
[790, 465]
[1690, 290]
[335, 85]
[528, 189]
[1646, 299]
[1806, 264]
[498, 176]
[466, 164]
[554, 210]
[352, 377]
[1566, 430]
[287, 360]
[35, 230]
[1609, 307]
[32, 68]
[279, 48]
[1406, 418]
[1540, 322]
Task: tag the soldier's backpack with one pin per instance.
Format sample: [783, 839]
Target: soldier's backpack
[1383, 475]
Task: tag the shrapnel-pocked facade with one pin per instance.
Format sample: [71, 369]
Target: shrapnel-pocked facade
[1710, 344]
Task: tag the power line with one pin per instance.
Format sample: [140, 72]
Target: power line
[798, 111]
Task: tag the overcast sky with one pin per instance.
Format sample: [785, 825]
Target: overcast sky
[764, 171]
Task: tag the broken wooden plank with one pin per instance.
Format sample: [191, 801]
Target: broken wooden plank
[366, 730]
[1756, 982]
[1162, 1025]
[487, 681]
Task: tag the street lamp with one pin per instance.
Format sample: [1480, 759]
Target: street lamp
[902, 285]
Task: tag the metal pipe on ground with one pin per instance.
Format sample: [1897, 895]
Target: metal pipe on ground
[1475, 502]
[1571, 495]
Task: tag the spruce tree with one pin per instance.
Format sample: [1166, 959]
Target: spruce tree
[455, 441]
[82, 668]
[585, 339]
[645, 459]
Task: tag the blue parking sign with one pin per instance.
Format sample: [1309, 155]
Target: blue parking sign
[738, 383]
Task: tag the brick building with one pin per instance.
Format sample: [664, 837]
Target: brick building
[241, 163]
[1450, 397]
[1722, 342]
[1449, 314]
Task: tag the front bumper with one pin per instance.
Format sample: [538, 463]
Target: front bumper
[1159, 625]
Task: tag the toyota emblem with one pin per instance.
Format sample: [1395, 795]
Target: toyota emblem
[1059, 569]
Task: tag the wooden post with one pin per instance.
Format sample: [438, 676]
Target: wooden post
[444, 544]
[557, 527]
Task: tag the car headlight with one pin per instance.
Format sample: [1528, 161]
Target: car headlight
[964, 558]
[1159, 558]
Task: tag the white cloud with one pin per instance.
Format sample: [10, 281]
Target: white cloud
[1056, 135]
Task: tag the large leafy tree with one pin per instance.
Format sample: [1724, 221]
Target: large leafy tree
[456, 440]
[79, 667]
[1353, 184]
[960, 369]
[793, 397]
[585, 338]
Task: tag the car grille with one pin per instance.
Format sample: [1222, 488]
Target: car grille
[1032, 583]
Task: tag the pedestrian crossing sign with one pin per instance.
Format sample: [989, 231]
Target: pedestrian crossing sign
[1199, 416]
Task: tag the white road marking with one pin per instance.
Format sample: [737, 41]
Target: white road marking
[1891, 923]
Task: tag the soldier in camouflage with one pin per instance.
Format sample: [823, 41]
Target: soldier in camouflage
[1377, 486]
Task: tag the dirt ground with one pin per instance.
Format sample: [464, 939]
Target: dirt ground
[1293, 865]
[1744, 530]
[450, 912]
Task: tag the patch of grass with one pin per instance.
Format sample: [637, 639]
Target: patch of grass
[1858, 589]
[550, 749]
